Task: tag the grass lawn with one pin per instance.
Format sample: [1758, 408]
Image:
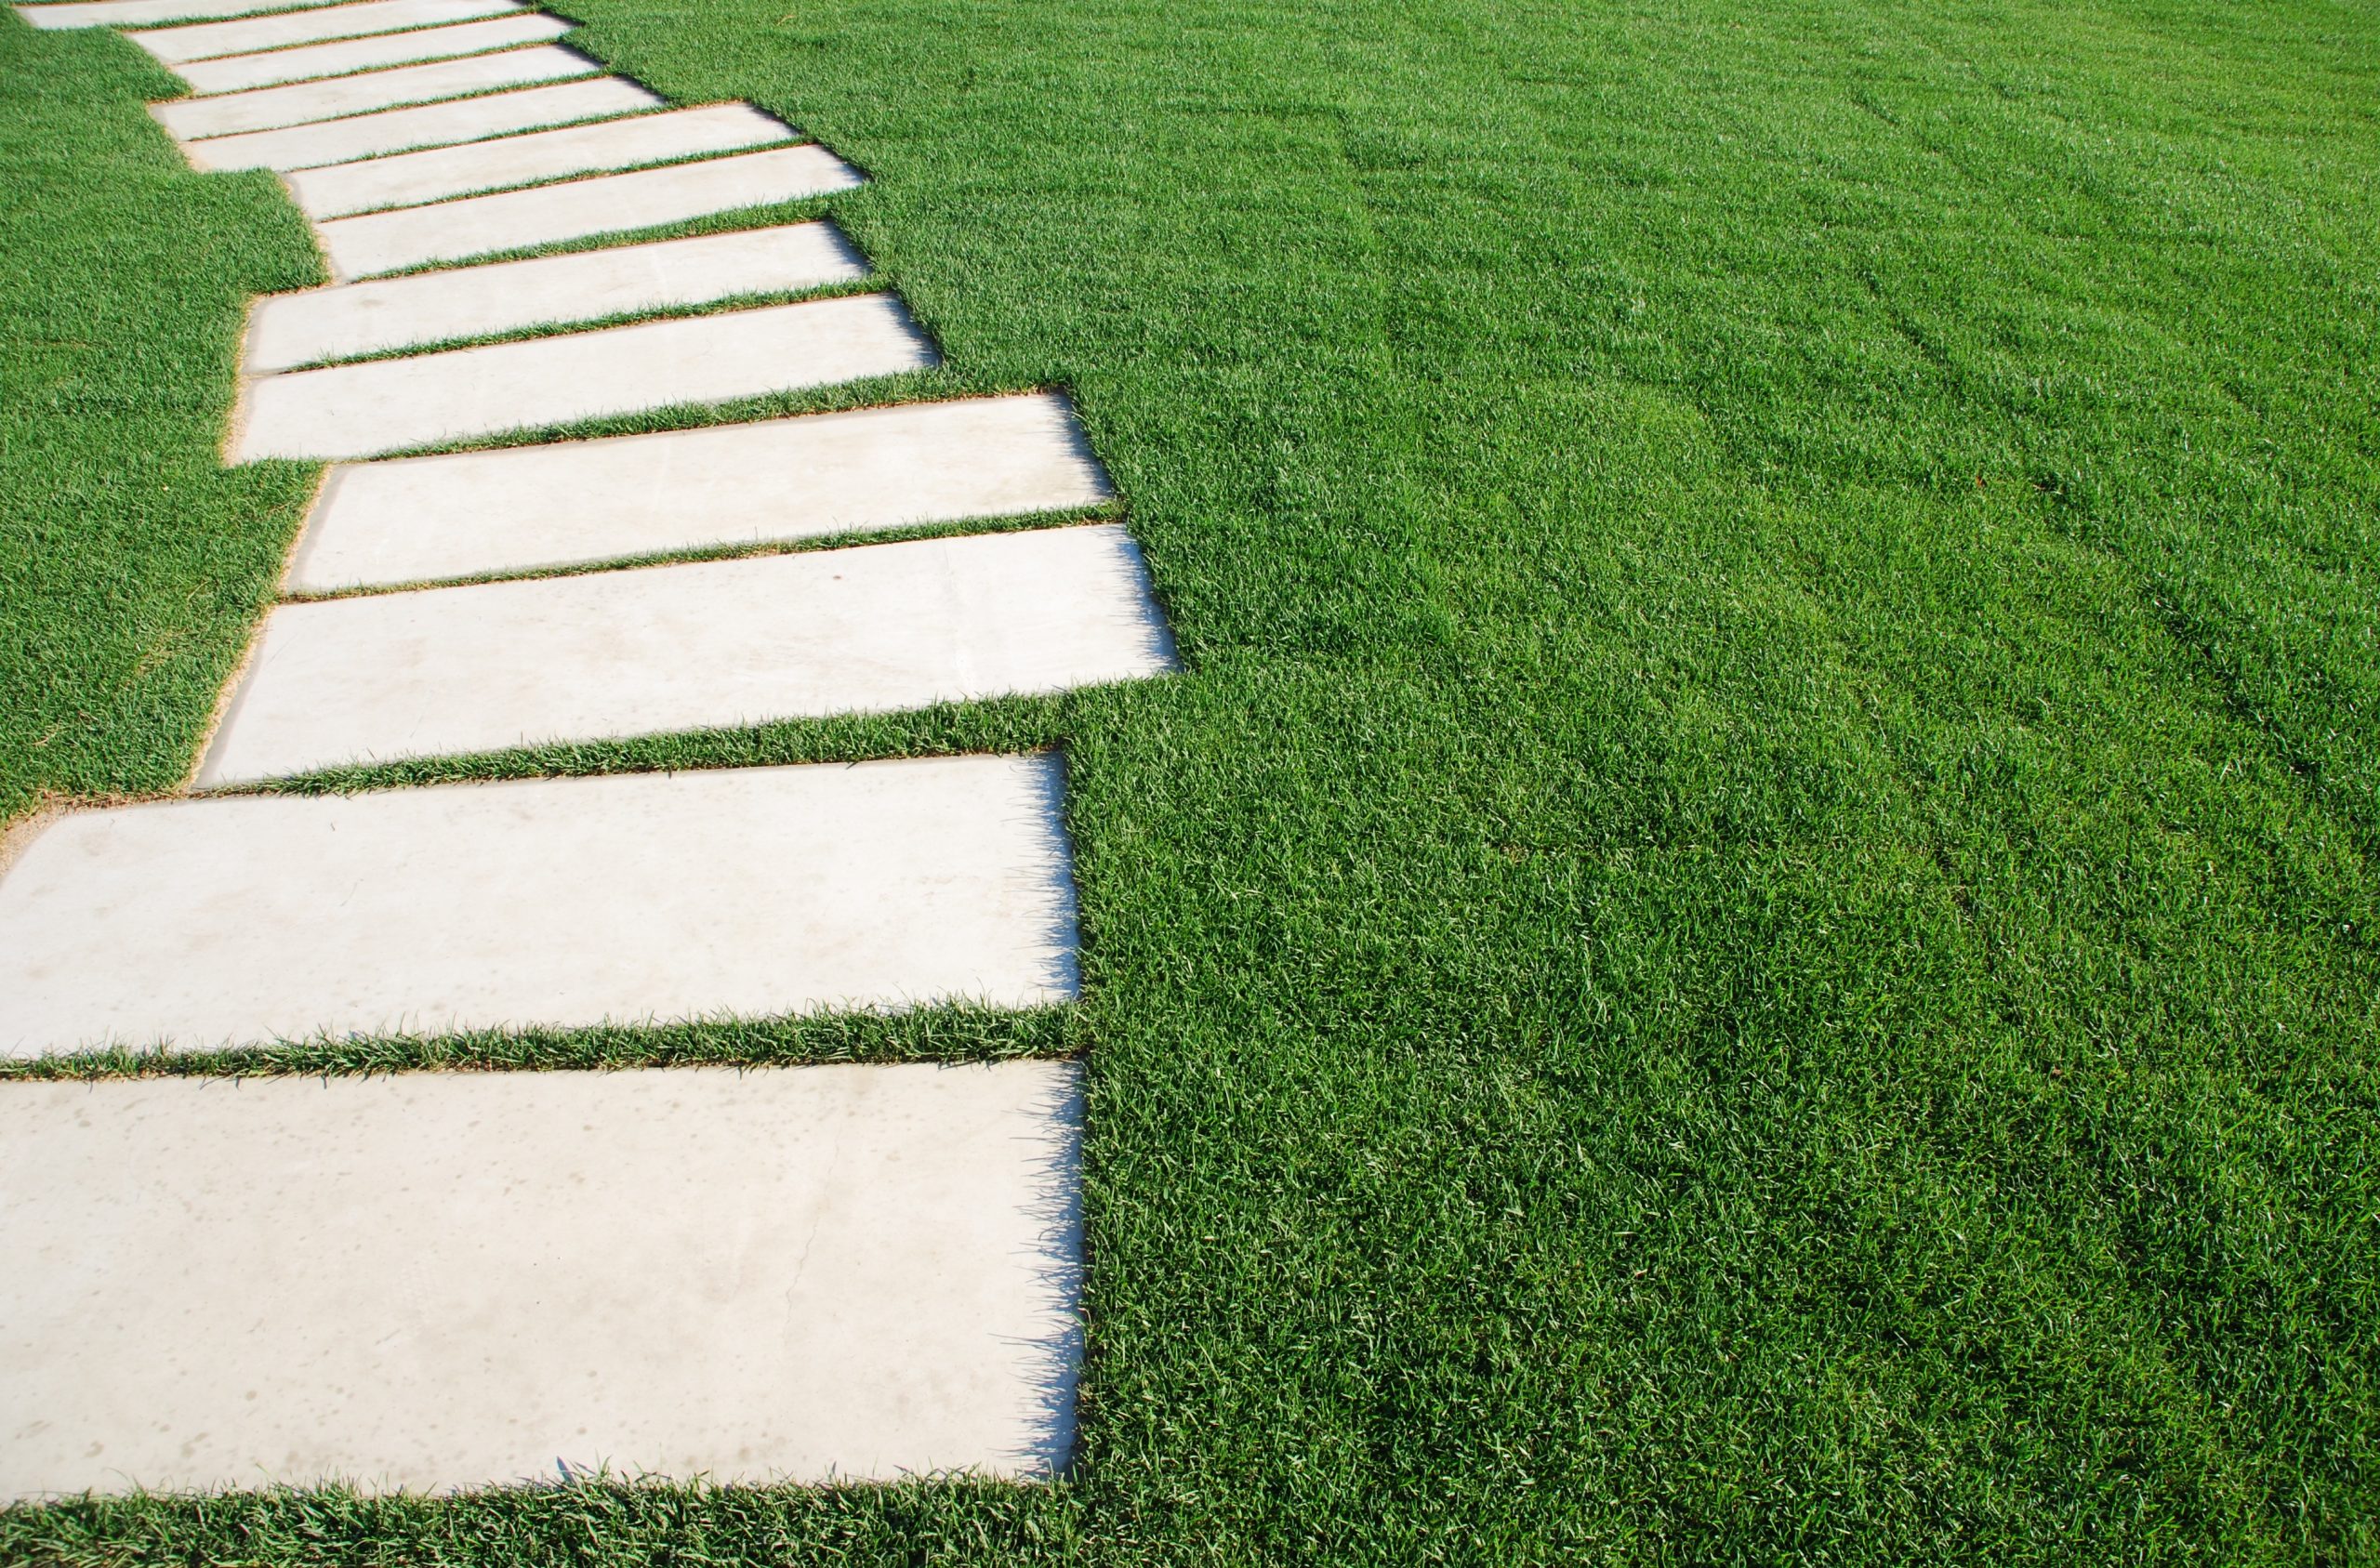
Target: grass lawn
[1751, 935]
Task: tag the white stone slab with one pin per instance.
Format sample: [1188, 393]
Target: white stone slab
[211, 40]
[147, 13]
[445, 671]
[191, 119]
[745, 892]
[613, 203]
[474, 513]
[347, 320]
[388, 405]
[414, 177]
[238, 73]
[463, 1279]
[433, 125]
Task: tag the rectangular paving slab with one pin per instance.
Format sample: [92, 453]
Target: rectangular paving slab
[475, 513]
[148, 13]
[444, 1280]
[611, 204]
[431, 124]
[302, 102]
[745, 892]
[687, 647]
[414, 177]
[213, 39]
[388, 405]
[347, 320]
[238, 73]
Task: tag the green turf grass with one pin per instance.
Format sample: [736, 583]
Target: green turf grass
[1749, 937]
[131, 564]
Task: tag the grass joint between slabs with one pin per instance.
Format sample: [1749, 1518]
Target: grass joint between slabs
[926, 1035]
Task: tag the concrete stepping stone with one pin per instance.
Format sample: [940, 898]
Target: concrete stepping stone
[474, 513]
[744, 892]
[388, 405]
[444, 1280]
[445, 671]
[238, 73]
[411, 178]
[347, 320]
[148, 13]
[211, 40]
[431, 124]
[191, 119]
[611, 204]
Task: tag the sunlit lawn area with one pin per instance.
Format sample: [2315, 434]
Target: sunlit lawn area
[1750, 937]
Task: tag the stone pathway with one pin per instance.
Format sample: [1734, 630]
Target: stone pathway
[578, 209]
[804, 1273]
[147, 13]
[788, 1275]
[346, 321]
[431, 124]
[747, 891]
[189, 119]
[214, 40]
[407, 179]
[523, 507]
[233, 72]
[709, 645]
[388, 405]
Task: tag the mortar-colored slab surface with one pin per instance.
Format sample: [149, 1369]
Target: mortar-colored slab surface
[473, 513]
[444, 671]
[604, 204]
[461, 1280]
[302, 102]
[414, 177]
[388, 405]
[433, 125]
[748, 892]
[239, 72]
[347, 320]
[211, 40]
[147, 13]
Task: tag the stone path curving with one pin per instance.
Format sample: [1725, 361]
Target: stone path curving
[788, 1275]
